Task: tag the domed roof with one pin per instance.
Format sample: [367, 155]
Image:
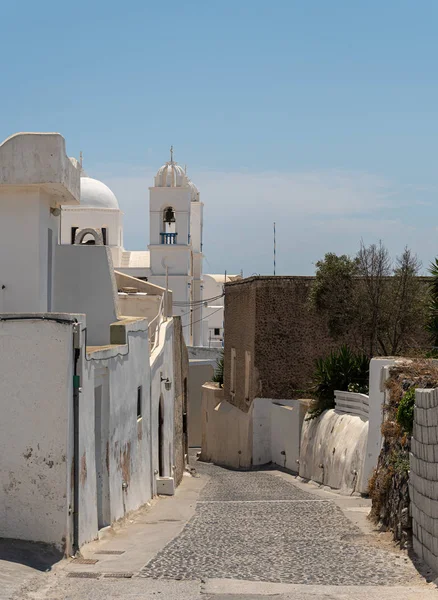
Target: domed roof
[171, 175]
[194, 191]
[96, 194]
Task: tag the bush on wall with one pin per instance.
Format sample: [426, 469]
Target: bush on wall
[218, 376]
[389, 484]
[342, 370]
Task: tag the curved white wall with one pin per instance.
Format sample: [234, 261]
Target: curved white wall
[338, 442]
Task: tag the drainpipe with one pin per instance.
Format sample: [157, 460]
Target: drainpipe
[76, 461]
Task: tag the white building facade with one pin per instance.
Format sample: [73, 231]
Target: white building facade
[91, 399]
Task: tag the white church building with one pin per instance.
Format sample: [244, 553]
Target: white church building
[174, 256]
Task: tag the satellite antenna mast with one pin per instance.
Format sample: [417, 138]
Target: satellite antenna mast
[274, 248]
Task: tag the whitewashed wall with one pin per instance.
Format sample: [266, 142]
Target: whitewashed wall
[85, 283]
[333, 448]
[233, 438]
[161, 361]
[341, 447]
[36, 430]
[121, 369]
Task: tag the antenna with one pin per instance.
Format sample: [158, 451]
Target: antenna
[80, 158]
[274, 248]
[171, 154]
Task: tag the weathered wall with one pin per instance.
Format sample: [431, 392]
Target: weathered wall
[286, 428]
[240, 327]
[269, 432]
[125, 456]
[138, 305]
[226, 431]
[333, 447]
[423, 479]
[36, 432]
[180, 377]
[200, 372]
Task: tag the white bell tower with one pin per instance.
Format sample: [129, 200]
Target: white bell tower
[176, 245]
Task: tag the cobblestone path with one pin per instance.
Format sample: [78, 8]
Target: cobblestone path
[260, 527]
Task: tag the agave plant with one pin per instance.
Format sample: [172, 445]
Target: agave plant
[341, 370]
[218, 376]
[432, 322]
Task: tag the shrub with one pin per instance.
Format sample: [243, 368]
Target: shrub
[405, 411]
[218, 376]
[341, 370]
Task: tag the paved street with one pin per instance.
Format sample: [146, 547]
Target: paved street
[240, 536]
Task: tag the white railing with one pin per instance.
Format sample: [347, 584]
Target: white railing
[154, 327]
[352, 403]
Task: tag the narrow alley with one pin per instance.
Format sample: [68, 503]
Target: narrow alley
[241, 535]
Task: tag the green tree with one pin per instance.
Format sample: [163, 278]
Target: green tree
[374, 303]
[333, 292]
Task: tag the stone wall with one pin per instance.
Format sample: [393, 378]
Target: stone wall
[270, 318]
[424, 476]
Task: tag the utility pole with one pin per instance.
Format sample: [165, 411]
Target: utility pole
[274, 248]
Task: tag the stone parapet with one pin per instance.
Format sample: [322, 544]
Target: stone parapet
[423, 480]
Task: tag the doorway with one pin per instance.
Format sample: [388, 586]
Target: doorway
[101, 431]
[161, 465]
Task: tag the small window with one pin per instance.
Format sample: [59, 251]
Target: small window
[139, 402]
[217, 331]
[104, 236]
[73, 234]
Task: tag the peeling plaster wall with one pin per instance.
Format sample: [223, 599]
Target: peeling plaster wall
[127, 458]
[36, 430]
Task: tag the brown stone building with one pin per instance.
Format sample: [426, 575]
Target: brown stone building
[272, 337]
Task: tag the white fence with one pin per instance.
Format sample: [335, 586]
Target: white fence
[352, 403]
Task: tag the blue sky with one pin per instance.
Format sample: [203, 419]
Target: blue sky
[321, 116]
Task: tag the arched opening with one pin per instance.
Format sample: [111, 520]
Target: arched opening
[168, 235]
[161, 465]
[89, 237]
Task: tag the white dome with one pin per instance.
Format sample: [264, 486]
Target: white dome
[171, 175]
[96, 194]
[194, 191]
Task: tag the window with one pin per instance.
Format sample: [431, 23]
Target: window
[233, 372]
[104, 235]
[217, 331]
[73, 234]
[247, 374]
[139, 402]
